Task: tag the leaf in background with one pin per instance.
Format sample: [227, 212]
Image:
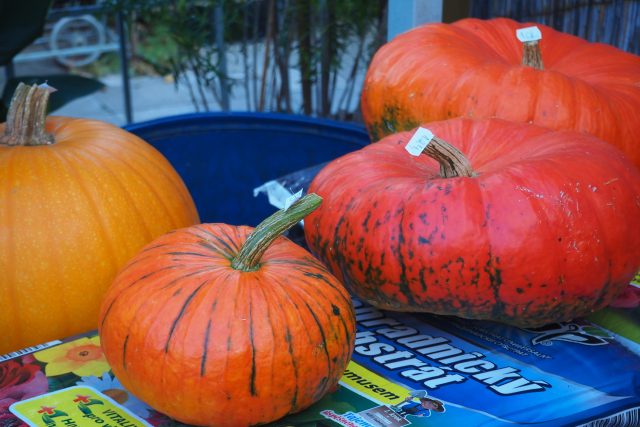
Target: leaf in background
[62, 381]
[620, 321]
[69, 87]
[21, 22]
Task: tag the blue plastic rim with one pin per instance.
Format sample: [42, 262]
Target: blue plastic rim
[222, 157]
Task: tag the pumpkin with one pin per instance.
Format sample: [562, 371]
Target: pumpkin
[78, 198]
[513, 222]
[474, 68]
[228, 326]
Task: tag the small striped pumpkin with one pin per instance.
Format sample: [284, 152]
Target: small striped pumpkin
[228, 326]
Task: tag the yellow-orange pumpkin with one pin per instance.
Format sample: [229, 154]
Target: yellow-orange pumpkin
[77, 199]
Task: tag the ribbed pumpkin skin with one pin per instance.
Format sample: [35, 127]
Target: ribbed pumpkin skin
[472, 68]
[547, 231]
[71, 214]
[210, 345]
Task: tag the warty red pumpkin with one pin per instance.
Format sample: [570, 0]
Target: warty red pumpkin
[474, 68]
[78, 198]
[228, 326]
[528, 226]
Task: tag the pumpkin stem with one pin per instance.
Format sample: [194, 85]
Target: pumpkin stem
[248, 258]
[452, 162]
[26, 117]
[531, 55]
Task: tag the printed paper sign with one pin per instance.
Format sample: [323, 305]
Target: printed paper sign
[529, 34]
[78, 406]
[375, 387]
[419, 141]
[28, 350]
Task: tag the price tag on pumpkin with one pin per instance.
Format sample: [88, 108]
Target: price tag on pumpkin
[292, 199]
[46, 86]
[419, 141]
[528, 34]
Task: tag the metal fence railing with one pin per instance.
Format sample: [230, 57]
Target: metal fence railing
[282, 55]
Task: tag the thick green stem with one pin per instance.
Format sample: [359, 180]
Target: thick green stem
[26, 117]
[452, 162]
[248, 258]
[531, 55]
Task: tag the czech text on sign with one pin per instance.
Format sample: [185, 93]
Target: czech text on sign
[78, 406]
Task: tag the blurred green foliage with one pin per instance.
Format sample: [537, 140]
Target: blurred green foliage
[181, 38]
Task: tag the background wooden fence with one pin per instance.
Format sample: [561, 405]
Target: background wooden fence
[615, 22]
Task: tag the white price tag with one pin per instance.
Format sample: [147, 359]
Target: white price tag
[292, 199]
[46, 86]
[419, 141]
[529, 34]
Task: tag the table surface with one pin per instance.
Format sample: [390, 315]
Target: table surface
[480, 373]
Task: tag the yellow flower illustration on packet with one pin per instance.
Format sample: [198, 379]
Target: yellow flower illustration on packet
[82, 357]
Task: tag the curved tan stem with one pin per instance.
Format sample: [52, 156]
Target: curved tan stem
[452, 162]
[531, 55]
[26, 117]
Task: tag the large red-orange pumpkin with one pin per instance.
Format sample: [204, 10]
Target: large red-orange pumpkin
[224, 326]
[78, 198]
[535, 226]
[473, 68]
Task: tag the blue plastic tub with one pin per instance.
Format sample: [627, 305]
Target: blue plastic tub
[222, 157]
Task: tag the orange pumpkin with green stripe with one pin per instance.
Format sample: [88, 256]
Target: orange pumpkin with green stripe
[513, 223]
[228, 326]
[479, 69]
